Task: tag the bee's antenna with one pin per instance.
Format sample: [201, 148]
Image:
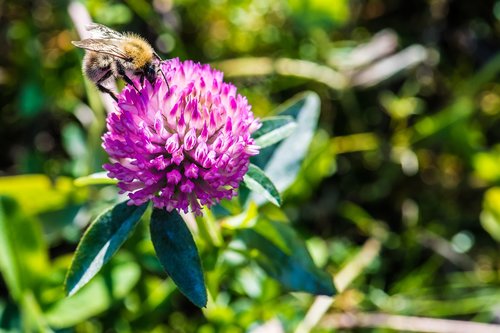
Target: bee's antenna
[164, 77]
[160, 70]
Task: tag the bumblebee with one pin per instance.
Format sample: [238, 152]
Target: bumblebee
[111, 54]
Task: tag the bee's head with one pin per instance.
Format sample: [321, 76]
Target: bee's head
[150, 72]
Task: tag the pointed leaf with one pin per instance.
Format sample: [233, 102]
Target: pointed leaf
[257, 181]
[100, 242]
[284, 256]
[273, 130]
[177, 252]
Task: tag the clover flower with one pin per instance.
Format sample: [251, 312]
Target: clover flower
[183, 145]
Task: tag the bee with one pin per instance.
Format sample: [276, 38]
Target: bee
[111, 54]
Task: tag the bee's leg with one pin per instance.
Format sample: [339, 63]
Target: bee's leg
[107, 91]
[129, 81]
[121, 71]
[103, 88]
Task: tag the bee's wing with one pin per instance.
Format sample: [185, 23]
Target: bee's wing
[108, 46]
[99, 31]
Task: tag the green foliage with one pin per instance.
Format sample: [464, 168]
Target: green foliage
[282, 162]
[23, 260]
[98, 296]
[490, 216]
[39, 194]
[394, 142]
[285, 257]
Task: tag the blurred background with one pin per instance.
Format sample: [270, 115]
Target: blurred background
[404, 167]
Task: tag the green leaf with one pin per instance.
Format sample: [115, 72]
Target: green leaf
[23, 252]
[177, 252]
[98, 178]
[284, 256]
[281, 163]
[100, 242]
[273, 130]
[257, 181]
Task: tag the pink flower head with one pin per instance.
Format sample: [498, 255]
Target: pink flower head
[184, 146]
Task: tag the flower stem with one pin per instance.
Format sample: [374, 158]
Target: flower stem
[209, 229]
